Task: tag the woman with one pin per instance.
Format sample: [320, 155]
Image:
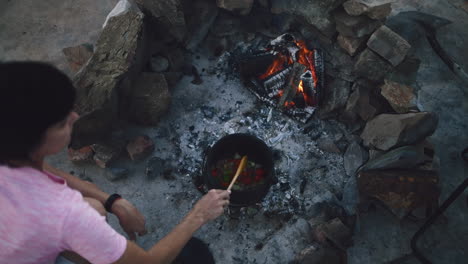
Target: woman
[42, 210]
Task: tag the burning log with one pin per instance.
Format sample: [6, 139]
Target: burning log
[285, 44]
[291, 86]
[274, 84]
[308, 83]
[293, 79]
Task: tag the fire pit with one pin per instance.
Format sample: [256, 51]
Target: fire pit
[223, 157]
[286, 74]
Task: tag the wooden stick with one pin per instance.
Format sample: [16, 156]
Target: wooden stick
[241, 167]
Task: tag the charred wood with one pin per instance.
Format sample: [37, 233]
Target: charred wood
[276, 82]
[254, 65]
[308, 83]
[292, 84]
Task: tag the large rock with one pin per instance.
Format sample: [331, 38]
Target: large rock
[106, 153]
[336, 232]
[150, 99]
[119, 54]
[169, 13]
[351, 45]
[401, 97]
[200, 19]
[83, 154]
[400, 158]
[369, 65]
[354, 26]
[354, 157]
[338, 63]
[389, 45]
[373, 9]
[401, 191]
[359, 104]
[317, 254]
[78, 56]
[315, 13]
[335, 97]
[241, 6]
[140, 147]
[387, 131]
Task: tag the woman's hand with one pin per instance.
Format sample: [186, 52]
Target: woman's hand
[211, 205]
[130, 219]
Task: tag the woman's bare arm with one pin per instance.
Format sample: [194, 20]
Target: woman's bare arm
[131, 220]
[166, 250]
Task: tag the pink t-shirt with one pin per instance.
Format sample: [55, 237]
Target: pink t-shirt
[40, 216]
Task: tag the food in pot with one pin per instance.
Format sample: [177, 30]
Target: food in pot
[254, 174]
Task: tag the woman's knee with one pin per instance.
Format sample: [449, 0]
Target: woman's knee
[96, 205]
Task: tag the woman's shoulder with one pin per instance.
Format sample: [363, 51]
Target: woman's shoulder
[35, 184]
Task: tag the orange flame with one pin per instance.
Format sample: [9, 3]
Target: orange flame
[304, 57]
[277, 65]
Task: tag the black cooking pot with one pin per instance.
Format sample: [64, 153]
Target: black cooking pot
[256, 151]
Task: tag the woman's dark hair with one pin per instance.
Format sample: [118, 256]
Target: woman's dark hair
[33, 97]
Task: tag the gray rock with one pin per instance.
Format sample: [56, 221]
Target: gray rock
[339, 234]
[339, 64]
[389, 45]
[379, 12]
[202, 16]
[373, 9]
[140, 147]
[169, 13]
[387, 131]
[351, 45]
[354, 157]
[83, 154]
[106, 153]
[355, 7]
[375, 153]
[354, 26]
[115, 61]
[335, 97]
[318, 254]
[328, 145]
[315, 13]
[401, 97]
[350, 196]
[370, 65]
[358, 104]
[243, 7]
[159, 63]
[401, 158]
[150, 99]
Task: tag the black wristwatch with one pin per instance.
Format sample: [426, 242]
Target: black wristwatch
[110, 201]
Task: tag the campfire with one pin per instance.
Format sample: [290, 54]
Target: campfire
[286, 74]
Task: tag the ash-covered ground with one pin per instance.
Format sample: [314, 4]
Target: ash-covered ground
[162, 186]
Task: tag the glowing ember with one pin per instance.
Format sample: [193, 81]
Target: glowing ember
[303, 56]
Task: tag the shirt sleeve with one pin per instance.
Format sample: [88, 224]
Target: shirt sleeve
[87, 233]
